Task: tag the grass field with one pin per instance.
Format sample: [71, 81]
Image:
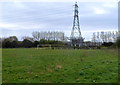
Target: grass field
[59, 66]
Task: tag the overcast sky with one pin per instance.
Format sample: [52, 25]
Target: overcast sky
[21, 18]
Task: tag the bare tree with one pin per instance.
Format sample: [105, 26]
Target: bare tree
[54, 35]
[94, 37]
[105, 37]
[98, 37]
[110, 36]
[36, 36]
[102, 36]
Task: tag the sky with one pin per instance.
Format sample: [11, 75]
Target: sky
[21, 18]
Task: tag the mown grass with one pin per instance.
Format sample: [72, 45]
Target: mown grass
[59, 66]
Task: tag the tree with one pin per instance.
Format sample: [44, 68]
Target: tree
[35, 43]
[107, 44]
[43, 41]
[6, 43]
[36, 36]
[54, 35]
[94, 37]
[109, 36]
[13, 38]
[28, 38]
[10, 42]
[105, 37]
[102, 36]
[98, 36]
[27, 43]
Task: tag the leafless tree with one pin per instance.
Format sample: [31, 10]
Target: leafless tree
[94, 37]
[110, 36]
[102, 36]
[54, 35]
[36, 36]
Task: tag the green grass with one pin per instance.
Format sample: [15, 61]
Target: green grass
[59, 66]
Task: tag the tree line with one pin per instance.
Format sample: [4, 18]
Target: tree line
[56, 39]
[54, 35]
[108, 39]
[37, 38]
[110, 36]
[12, 42]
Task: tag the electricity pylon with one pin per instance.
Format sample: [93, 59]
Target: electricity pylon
[76, 37]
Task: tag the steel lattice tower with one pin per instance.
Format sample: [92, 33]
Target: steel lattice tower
[76, 37]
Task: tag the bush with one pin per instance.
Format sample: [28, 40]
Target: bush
[107, 44]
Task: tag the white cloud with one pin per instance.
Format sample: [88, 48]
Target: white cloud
[110, 5]
[4, 25]
[18, 4]
[18, 26]
[104, 30]
[99, 11]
